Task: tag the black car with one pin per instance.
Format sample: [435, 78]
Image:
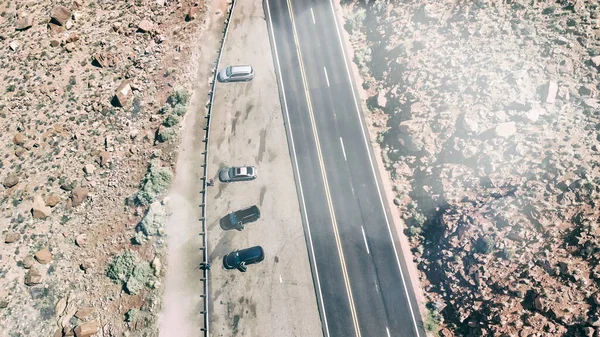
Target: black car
[239, 218]
[241, 258]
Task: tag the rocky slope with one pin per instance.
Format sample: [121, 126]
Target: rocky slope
[87, 101]
[489, 118]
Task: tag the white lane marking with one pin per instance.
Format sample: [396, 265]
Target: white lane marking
[365, 237]
[388, 331]
[326, 77]
[377, 287]
[313, 15]
[285, 105]
[280, 279]
[343, 149]
[412, 313]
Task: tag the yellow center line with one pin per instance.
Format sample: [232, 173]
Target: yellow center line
[324, 176]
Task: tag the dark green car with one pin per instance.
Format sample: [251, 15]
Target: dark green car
[241, 258]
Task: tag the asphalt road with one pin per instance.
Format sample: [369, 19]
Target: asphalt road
[358, 272]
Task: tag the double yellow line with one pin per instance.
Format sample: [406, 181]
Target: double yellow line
[324, 176]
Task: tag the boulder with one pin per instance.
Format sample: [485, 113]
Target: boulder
[80, 240]
[24, 22]
[84, 313]
[122, 94]
[28, 262]
[14, 45]
[18, 139]
[52, 200]
[11, 237]
[145, 26]
[104, 60]
[596, 60]
[10, 180]
[104, 159]
[87, 329]
[192, 13]
[33, 277]
[552, 91]
[78, 196]
[39, 210]
[60, 15]
[89, 169]
[505, 129]
[43, 256]
[469, 122]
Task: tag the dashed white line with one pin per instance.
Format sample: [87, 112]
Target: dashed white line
[402, 276]
[280, 279]
[326, 77]
[377, 287]
[365, 237]
[387, 330]
[343, 149]
[313, 15]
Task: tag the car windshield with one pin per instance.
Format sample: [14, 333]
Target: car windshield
[228, 71]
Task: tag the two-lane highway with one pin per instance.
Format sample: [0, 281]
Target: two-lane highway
[362, 283]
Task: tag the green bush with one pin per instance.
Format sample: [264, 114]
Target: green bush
[152, 223]
[180, 109]
[484, 245]
[164, 135]
[131, 315]
[156, 182]
[419, 219]
[129, 270]
[180, 96]
[432, 321]
[140, 278]
[121, 267]
[170, 121]
[412, 231]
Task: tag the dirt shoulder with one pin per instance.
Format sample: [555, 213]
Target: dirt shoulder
[275, 297]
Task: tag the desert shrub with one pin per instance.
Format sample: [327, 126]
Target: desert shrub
[179, 109]
[131, 315]
[355, 20]
[164, 135]
[133, 273]
[156, 182]
[170, 121]
[412, 231]
[180, 96]
[141, 277]
[121, 266]
[419, 219]
[152, 223]
[432, 321]
[484, 245]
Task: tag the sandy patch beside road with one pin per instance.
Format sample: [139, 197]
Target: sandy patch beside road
[277, 296]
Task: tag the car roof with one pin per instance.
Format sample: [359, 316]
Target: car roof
[248, 211]
[244, 69]
[251, 253]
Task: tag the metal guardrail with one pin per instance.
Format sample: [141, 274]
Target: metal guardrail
[206, 309]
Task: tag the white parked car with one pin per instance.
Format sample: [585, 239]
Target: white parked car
[237, 173]
[241, 73]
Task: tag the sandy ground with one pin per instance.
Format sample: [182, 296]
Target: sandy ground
[397, 223]
[182, 302]
[275, 297]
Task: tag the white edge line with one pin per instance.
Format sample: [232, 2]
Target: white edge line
[365, 238]
[388, 331]
[313, 15]
[343, 149]
[326, 77]
[373, 168]
[312, 253]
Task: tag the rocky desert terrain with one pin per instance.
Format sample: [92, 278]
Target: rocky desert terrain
[488, 117]
[92, 96]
